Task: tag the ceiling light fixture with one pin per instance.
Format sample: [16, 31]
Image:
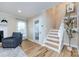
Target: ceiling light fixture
[19, 11]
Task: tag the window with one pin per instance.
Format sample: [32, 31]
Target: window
[21, 27]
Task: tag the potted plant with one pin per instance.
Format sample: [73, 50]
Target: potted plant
[69, 24]
[69, 29]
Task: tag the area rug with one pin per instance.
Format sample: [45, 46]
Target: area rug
[12, 52]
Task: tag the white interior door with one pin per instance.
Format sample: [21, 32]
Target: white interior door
[36, 30]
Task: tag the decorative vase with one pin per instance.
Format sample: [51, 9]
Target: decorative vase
[69, 48]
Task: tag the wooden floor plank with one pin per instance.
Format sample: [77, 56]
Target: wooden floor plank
[35, 50]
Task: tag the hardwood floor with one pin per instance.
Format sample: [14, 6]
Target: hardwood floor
[35, 50]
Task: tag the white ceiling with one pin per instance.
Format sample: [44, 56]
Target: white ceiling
[28, 8]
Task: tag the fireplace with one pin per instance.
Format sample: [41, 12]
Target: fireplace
[1, 36]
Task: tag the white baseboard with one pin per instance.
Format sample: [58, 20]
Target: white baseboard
[36, 42]
[71, 45]
[44, 45]
[78, 52]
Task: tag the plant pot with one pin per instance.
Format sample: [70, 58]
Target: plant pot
[69, 48]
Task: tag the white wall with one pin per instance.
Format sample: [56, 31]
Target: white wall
[73, 42]
[44, 26]
[30, 29]
[12, 22]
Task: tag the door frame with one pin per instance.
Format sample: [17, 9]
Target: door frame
[34, 30]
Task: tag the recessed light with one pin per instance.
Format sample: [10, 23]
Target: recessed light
[19, 11]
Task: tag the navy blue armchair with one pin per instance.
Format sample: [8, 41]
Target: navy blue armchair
[12, 42]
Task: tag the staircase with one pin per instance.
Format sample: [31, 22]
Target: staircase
[54, 39]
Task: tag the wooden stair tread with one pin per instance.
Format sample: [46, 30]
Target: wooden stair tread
[53, 37]
[54, 30]
[54, 46]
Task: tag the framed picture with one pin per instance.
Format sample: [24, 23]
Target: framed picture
[70, 7]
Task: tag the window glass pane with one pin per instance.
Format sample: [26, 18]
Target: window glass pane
[22, 27]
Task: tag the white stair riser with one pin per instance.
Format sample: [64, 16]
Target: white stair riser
[54, 49]
[53, 32]
[54, 39]
[52, 43]
[53, 35]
